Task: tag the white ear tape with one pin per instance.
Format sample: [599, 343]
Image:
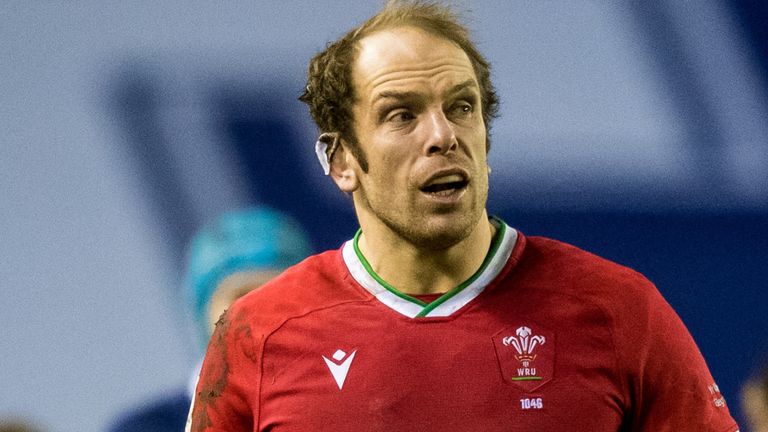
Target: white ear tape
[324, 147]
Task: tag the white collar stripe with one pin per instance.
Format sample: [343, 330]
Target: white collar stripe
[361, 275]
[451, 301]
[470, 292]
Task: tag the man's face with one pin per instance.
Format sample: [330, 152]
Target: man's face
[418, 120]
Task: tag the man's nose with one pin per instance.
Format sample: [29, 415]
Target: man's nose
[442, 137]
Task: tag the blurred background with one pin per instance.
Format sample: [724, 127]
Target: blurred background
[636, 130]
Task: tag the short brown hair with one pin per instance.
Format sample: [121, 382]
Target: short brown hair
[330, 93]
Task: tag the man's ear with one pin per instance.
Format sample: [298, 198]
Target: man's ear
[345, 169]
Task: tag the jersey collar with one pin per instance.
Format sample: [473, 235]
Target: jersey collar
[501, 248]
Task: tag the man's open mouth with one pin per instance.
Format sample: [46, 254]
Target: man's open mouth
[445, 186]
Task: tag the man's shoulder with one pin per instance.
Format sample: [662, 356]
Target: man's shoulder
[326, 265]
[585, 274]
[627, 299]
[318, 282]
[576, 259]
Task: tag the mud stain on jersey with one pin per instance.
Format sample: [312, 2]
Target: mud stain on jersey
[214, 381]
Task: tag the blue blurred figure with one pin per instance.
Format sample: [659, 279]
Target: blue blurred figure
[236, 254]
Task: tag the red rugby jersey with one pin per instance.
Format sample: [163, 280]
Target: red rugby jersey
[543, 337]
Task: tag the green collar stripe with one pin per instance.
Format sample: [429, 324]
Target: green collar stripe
[361, 270]
[496, 242]
[378, 278]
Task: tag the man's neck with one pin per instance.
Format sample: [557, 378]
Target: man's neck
[415, 270]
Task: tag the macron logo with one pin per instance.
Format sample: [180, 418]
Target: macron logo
[339, 366]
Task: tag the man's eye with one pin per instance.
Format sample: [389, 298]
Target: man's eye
[463, 109]
[400, 116]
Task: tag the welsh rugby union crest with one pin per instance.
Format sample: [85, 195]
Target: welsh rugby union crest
[526, 355]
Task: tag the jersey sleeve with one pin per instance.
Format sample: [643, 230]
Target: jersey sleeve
[669, 386]
[224, 397]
